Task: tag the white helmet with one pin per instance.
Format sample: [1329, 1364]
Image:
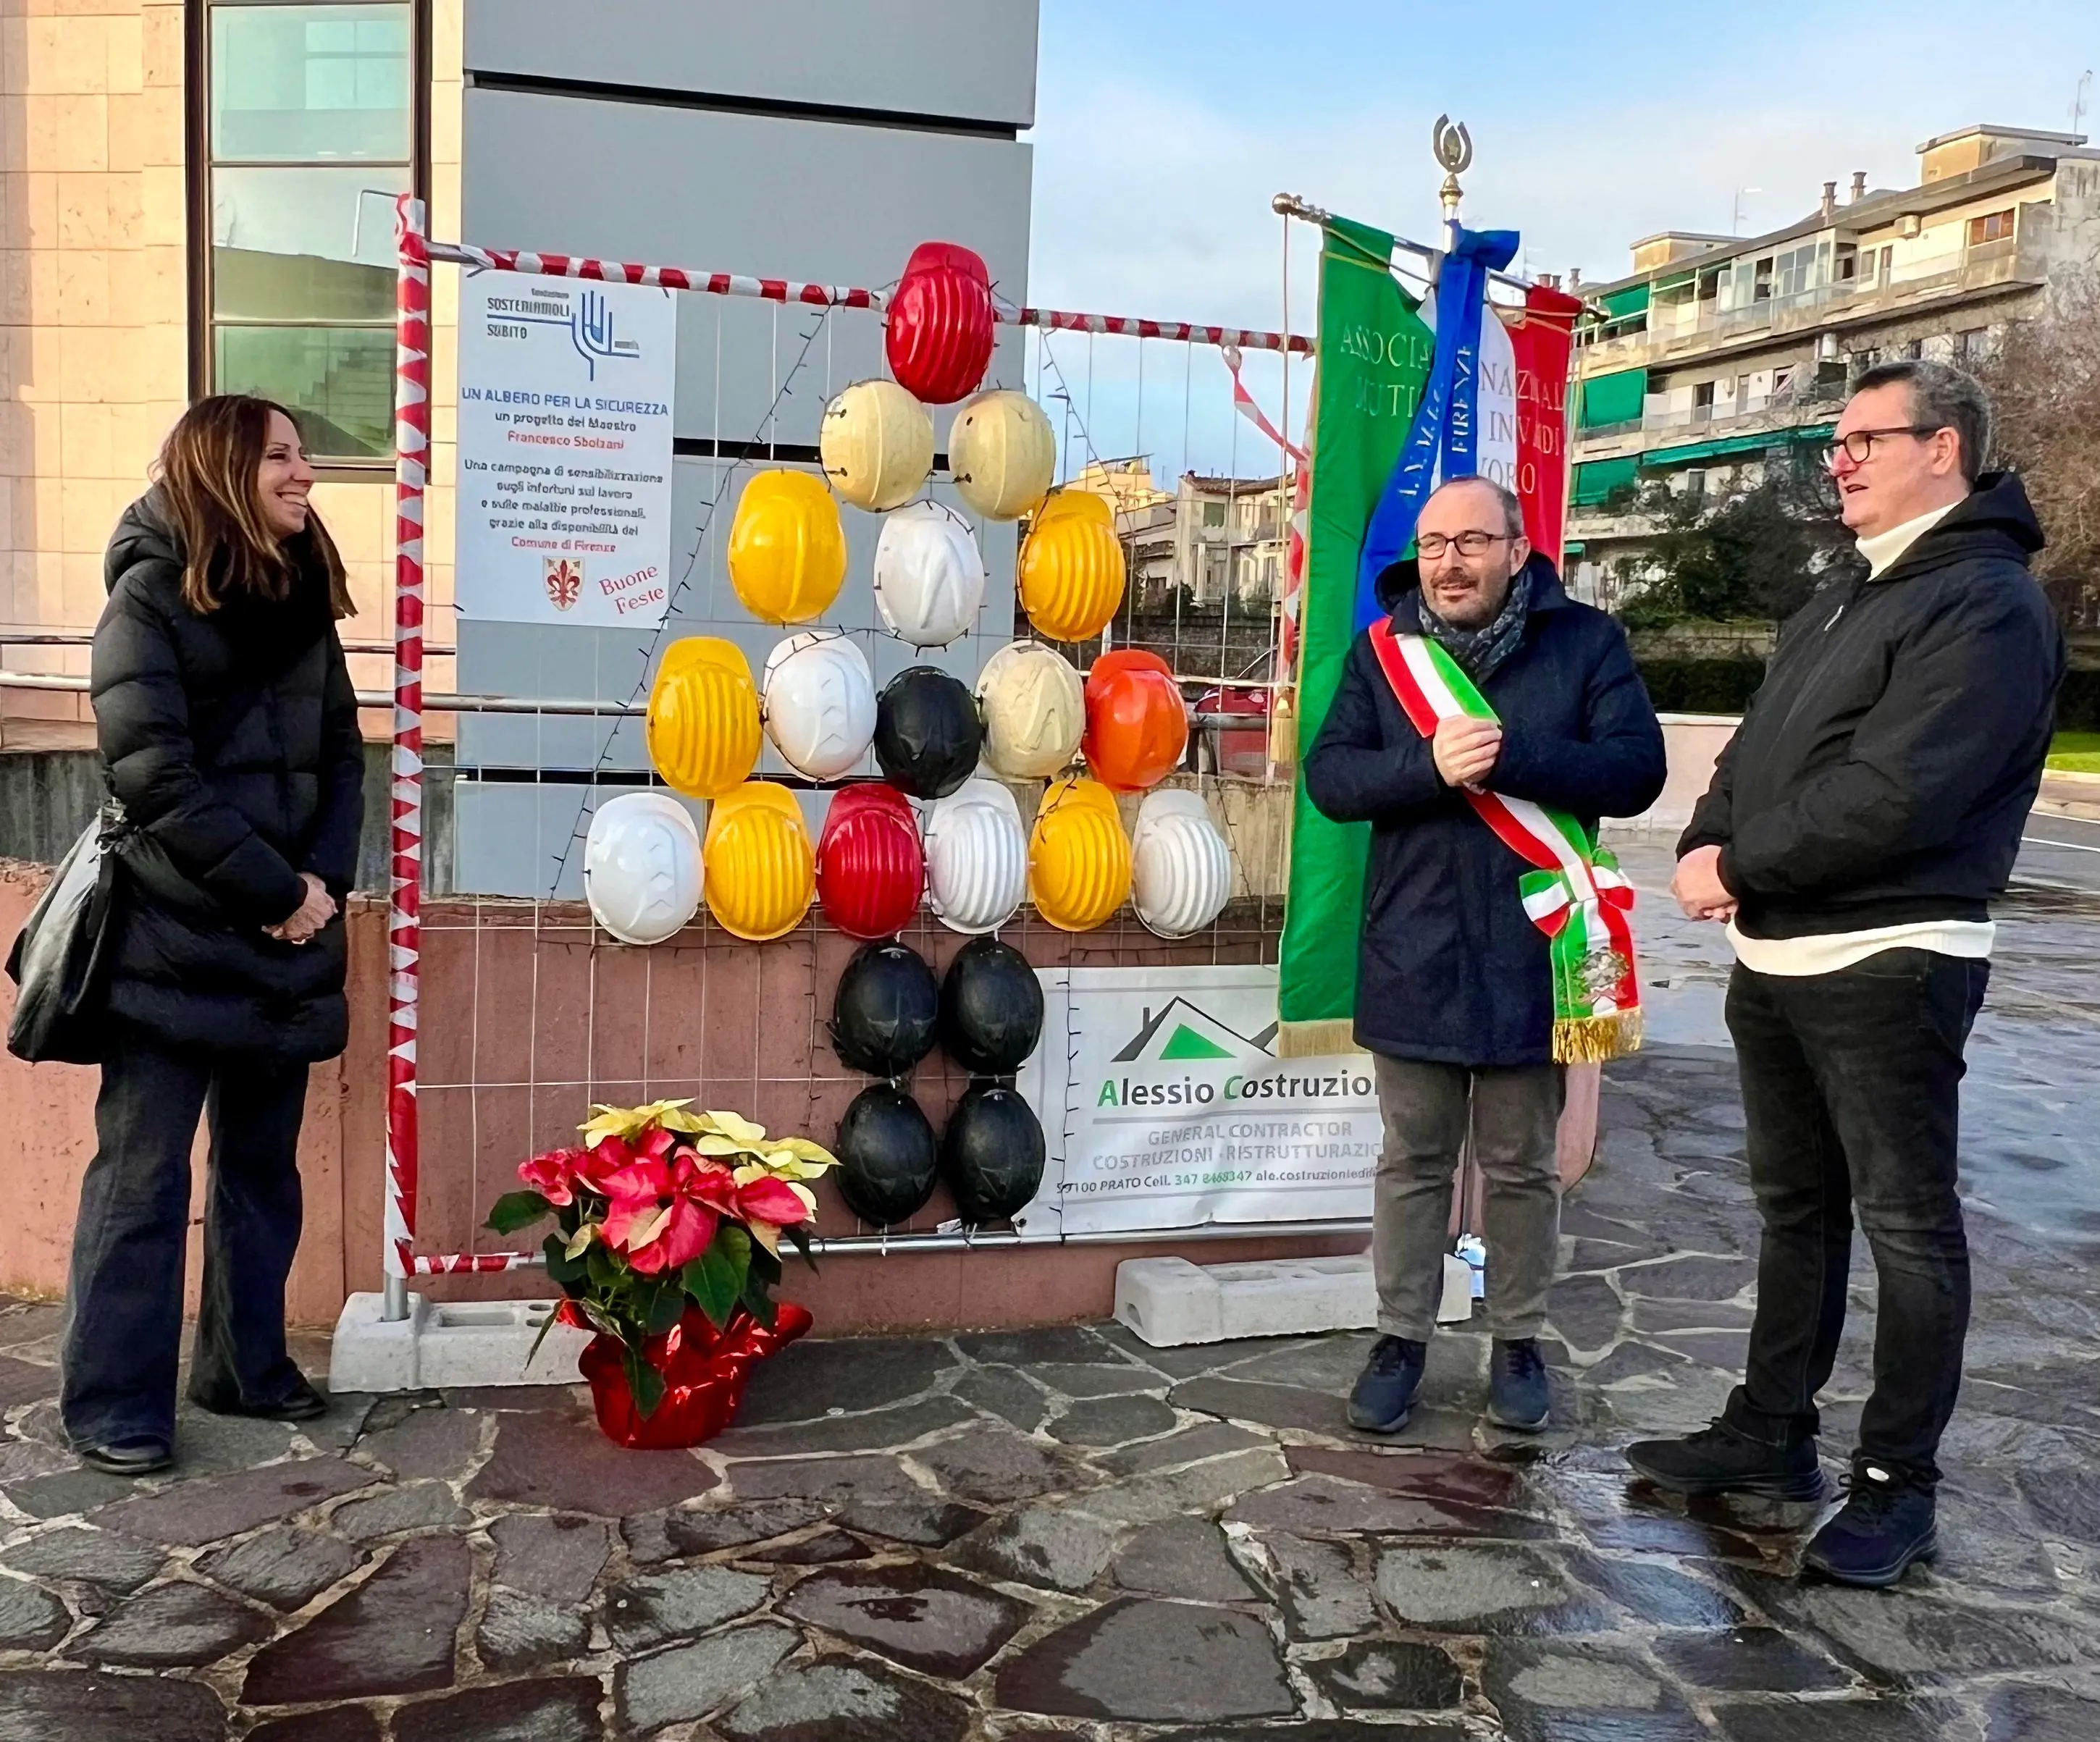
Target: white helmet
[1035, 710]
[977, 857]
[1181, 871]
[819, 702]
[876, 444]
[642, 867]
[929, 575]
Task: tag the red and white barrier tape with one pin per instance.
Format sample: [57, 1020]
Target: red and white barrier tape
[844, 296]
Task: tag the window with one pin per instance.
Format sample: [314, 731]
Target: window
[310, 136]
[1761, 283]
[1848, 260]
[1214, 513]
[1972, 344]
[1992, 227]
[1913, 350]
[1795, 272]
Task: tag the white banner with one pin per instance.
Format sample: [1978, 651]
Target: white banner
[1164, 1106]
[565, 390]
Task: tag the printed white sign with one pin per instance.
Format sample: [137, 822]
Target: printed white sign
[1164, 1105]
[565, 391]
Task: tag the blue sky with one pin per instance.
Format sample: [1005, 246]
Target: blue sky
[1163, 126]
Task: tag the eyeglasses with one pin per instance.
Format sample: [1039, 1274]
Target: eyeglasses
[1433, 545]
[1859, 446]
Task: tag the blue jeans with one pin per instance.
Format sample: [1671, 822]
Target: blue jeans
[1851, 1085]
[123, 1335]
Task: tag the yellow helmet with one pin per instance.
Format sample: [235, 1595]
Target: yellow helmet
[787, 549]
[1001, 453]
[1078, 857]
[762, 871]
[1071, 571]
[702, 722]
[877, 444]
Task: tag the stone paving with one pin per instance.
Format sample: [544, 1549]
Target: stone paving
[1063, 1533]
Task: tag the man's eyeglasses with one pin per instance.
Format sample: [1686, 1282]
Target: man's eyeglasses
[1433, 545]
[1859, 446]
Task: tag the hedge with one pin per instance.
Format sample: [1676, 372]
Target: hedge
[1724, 686]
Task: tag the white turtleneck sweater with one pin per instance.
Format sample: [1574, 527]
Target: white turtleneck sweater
[1829, 951]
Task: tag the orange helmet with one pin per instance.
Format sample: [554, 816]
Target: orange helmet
[1137, 725]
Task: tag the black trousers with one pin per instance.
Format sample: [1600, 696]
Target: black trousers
[123, 1327]
[1851, 1090]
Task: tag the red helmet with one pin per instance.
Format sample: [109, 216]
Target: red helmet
[1137, 725]
[870, 868]
[940, 332]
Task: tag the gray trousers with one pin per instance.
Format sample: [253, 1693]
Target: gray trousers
[1515, 1114]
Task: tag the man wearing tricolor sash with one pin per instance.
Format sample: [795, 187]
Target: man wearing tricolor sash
[1482, 724]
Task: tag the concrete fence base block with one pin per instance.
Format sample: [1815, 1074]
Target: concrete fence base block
[453, 1343]
[1169, 1301]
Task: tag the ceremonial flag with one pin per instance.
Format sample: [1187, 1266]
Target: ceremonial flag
[1410, 392]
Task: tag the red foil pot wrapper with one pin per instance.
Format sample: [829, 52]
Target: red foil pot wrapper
[704, 1372]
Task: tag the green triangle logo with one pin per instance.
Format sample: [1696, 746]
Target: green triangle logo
[1187, 1043]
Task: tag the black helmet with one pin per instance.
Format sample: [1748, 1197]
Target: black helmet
[885, 1010]
[991, 1154]
[992, 1008]
[927, 732]
[888, 1156]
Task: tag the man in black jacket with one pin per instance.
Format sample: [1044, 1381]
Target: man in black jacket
[1856, 827]
[1455, 983]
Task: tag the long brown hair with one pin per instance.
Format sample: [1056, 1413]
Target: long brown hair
[206, 472]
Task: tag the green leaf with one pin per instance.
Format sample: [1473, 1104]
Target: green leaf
[546, 1325]
[562, 1271]
[644, 1382]
[765, 1265]
[603, 1269]
[798, 1236]
[756, 1301]
[715, 1279]
[666, 1306]
[513, 1210]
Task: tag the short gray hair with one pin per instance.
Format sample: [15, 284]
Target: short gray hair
[1512, 508]
[1942, 397]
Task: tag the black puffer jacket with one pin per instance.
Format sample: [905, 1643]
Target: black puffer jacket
[282, 794]
[1451, 969]
[1884, 769]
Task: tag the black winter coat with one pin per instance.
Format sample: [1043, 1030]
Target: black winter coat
[1450, 968]
[283, 794]
[1883, 769]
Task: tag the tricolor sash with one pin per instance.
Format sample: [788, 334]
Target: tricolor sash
[1573, 894]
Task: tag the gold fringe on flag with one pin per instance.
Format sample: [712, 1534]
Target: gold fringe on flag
[1596, 1040]
[1314, 1040]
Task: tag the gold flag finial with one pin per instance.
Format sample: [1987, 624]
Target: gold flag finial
[1454, 148]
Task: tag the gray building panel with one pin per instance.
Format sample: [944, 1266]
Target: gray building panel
[788, 196]
[965, 60]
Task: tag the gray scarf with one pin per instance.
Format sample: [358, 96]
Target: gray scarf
[1480, 652]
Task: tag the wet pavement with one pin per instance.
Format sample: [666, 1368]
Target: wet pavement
[1015, 1537]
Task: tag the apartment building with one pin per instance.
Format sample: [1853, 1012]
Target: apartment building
[1716, 357]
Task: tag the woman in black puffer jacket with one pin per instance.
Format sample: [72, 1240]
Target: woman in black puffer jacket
[228, 730]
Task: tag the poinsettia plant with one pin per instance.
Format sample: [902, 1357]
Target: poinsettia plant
[658, 1207]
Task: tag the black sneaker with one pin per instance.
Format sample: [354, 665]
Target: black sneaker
[1886, 1524]
[1720, 1460]
[302, 1403]
[1384, 1396]
[1518, 1396]
[143, 1457]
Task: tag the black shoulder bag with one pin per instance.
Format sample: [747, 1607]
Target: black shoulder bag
[60, 961]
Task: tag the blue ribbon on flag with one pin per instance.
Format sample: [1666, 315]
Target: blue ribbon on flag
[1444, 442]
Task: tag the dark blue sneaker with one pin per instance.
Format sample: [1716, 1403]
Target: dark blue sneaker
[1384, 1396]
[1886, 1524]
[1517, 1393]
